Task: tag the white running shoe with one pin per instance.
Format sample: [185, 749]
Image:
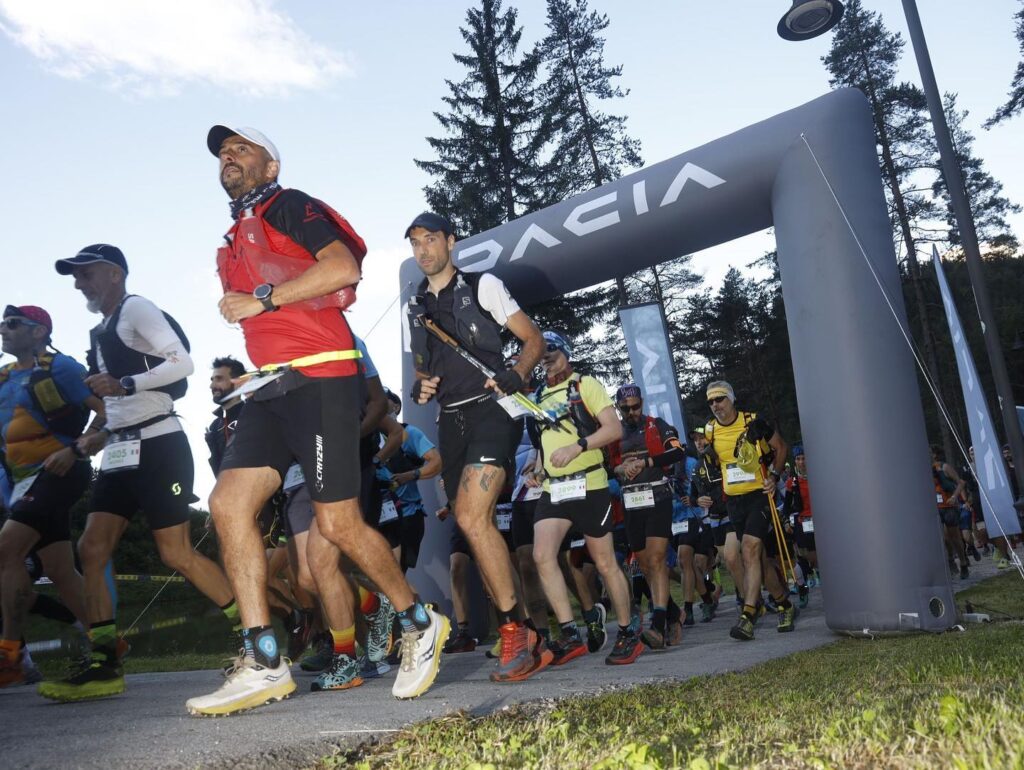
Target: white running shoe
[249, 685]
[421, 657]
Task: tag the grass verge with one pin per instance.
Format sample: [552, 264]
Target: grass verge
[950, 700]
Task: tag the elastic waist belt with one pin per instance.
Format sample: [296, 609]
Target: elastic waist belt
[316, 358]
[144, 423]
[657, 483]
[465, 404]
[589, 469]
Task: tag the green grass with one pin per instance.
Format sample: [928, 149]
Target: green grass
[925, 701]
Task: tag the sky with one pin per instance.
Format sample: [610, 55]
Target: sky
[107, 105]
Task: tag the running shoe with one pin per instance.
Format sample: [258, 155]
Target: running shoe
[421, 657]
[343, 673]
[249, 685]
[707, 612]
[299, 633]
[378, 630]
[743, 630]
[626, 650]
[787, 618]
[523, 653]
[689, 621]
[652, 637]
[567, 647]
[11, 669]
[597, 634]
[973, 551]
[32, 674]
[98, 679]
[321, 656]
[370, 670]
[805, 597]
[1003, 564]
[674, 635]
[461, 642]
[964, 571]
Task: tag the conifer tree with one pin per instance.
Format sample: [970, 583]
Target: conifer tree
[1015, 99]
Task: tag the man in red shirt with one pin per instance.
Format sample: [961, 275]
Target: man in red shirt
[289, 267]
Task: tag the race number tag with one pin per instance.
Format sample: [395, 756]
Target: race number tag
[252, 385]
[808, 525]
[981, 526]
[123, 453]
[734, 474]
[513, 407]
[388, 511]
[503, 518]
[578, 543]
[294, 477]
[569, 488]
[637, 496]
[680, 527]
[939, 499]
[22, 487]
[533, 493]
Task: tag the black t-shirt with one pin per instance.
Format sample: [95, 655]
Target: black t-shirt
[634, 444]
[219, 434]
[304, 220]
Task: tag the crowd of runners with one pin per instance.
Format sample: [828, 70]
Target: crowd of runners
[563, 496]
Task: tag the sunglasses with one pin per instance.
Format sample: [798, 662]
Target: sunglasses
[716, 400]
[552, 347]
[14, 323]
[633, 408]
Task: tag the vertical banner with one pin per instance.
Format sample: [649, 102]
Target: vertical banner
[988, 458]
[650, 355]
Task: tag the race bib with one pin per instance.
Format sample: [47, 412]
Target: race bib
[513, 407]
[388, 511]
[294, 477]
[123, 454]
[22, 487]
[939, 499]
[981, 525]
[734, 474]
[680, 527]
[569, 488]
[578, 543]
[533, 493]
[252, 385]
[637, 496]
[808, 525]
[503, 520]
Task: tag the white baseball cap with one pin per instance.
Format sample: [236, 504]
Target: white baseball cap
[215, 138]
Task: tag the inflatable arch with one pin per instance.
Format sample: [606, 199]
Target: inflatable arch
[860, 408]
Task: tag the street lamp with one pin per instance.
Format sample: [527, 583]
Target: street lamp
[809, 18]
[820, 11]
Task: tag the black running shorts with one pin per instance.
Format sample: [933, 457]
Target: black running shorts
[804, 539]
[721, 531]
[750, 515]
[316, 424]
[406, 533]
[688, 532]
[522, 522]
[479, 433]
[642, 523]
[160, 487]
[591, 516]
[46, 506]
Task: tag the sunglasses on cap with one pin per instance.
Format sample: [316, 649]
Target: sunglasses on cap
[14, 323]
[716, 400]
[633, 408]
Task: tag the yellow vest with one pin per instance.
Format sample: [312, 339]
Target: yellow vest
[736, 480]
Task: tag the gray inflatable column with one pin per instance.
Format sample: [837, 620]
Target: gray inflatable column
[879, 540]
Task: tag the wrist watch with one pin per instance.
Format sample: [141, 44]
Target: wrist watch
[128, 383]
[582, 444]
[265, 293]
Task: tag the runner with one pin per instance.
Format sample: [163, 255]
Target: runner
[138, 364]
[748, 487]
[44, 405]
[575, 483]
[642, 461]
[798, 505]
[477, 436]
[706, 488]
[289, 267]
[948, 489]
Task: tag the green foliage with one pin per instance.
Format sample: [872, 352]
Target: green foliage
[1015, 99]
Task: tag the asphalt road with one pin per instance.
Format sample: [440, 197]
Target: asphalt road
[148, 726]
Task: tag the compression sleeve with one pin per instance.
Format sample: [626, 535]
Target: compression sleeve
[150, 325]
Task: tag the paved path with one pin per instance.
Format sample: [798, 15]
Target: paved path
[148, 727]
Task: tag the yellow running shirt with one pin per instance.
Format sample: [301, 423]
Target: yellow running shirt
[555, 400]
[735, 480]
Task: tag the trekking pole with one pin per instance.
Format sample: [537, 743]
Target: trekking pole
[487, 372]
[788, 570]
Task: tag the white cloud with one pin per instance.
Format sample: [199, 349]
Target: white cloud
[154, 46]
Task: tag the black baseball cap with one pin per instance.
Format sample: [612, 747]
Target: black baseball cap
[435, 223]
[98, 252]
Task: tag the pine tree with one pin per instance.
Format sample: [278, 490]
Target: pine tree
[1015, 99]
[488, 166]
[866, 55]
[989, 206]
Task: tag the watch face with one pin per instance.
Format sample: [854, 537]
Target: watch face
[263, 291]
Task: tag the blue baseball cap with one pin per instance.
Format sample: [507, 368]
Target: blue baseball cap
[97, 252]
[435, 223]
[556, 341]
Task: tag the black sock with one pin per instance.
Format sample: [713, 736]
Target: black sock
[512, 615]
[414, 616]
[48, 607]
[783, 602]
[569, 629]
[688, 607]
[673, 611]
[709, 587]
[261, 645]
[804, 565]
[658, 619]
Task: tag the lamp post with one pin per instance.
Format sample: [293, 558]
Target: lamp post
[810, 18]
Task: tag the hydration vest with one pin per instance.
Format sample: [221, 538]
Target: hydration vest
[123, 361]
[475, 329]
[652, 438]
[62, 416]
[578, 415]
[256, 253]
[944, 486]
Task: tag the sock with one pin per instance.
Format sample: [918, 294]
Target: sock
[784, 602]
[414, 618]
[707, 597]
[530, 625]
[749, 610]
[709, 587]
[261, 645]
[369, 602]
[591, 615]
[48, 607]
[545, 634]
[658, 619]
[512, 615]
[344, 641]
[463, 629]
[804, 590]
[103, 636]
[688, 607]
[234, 617]
[569, 629]
[673, 611]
